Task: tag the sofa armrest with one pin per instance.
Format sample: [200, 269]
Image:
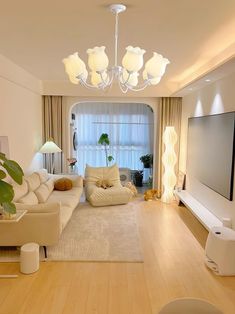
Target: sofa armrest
[76, 179]
[39, 208]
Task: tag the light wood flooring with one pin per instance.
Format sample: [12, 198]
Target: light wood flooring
[172, 241]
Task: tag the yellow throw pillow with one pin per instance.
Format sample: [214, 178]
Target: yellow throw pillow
[63, 184]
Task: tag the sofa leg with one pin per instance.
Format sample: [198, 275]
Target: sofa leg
[45, 251]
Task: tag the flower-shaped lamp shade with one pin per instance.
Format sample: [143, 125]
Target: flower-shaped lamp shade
[133, 60]
[50, 147]
[97, 59]
[156, 66]
[130, 79]
[74, 67]
[96, 79]
[153, 81]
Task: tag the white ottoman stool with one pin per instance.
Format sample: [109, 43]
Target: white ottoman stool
[29, 258]
[220, 251]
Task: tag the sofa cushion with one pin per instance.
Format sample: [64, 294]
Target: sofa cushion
[64, 199]
[50, 184]
[43, 175]
[29, 198]
[33, 181]
[42, 193]
[20, 190]
[63, 184]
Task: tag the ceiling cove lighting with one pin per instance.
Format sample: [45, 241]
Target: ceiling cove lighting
[127, 75]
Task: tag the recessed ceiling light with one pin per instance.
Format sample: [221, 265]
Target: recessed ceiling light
[207, 80]
[190, 88]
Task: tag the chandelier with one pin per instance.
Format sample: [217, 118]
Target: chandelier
[127, 75]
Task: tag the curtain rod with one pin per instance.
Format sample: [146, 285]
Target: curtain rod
[138, 123]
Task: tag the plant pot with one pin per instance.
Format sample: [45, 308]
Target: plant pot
[146, 165]
[138, 181]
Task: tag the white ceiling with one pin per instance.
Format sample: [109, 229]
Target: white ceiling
[195, 35]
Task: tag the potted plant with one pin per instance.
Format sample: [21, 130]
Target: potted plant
[104, 140]
[147, 160]
[72, 162]
[11, 168]
[138, 178]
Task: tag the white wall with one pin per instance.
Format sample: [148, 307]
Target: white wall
[21, 114]
[217, 97]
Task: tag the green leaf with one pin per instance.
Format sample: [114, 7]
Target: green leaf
[110, 158]
[2, 174]
[104, 139]
[3, 156]
[14, 170]
[9, 207]
[6, 192]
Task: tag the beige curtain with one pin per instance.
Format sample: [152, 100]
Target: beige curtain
[169, 114]
[52, 127]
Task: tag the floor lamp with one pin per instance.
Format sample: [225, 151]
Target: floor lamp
[50, 148]
[169, 160]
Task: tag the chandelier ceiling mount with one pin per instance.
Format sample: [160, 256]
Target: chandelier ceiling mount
[127, 75]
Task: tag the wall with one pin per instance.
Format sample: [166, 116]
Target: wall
[217, 97]
[21, 114]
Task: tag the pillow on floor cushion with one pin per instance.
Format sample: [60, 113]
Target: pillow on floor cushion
[30, 199]
[42, 193]
[63, 184]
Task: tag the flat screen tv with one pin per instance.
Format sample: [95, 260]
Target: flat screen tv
[211, 151]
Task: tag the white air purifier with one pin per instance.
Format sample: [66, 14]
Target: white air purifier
[220, 251]
[125, 175]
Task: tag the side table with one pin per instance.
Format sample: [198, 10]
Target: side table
[16, 218]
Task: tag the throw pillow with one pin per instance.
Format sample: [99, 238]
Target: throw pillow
[30, 199]
[63, 184]
[42, 193]
[105, 184]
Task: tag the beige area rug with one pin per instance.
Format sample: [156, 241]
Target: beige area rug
[104, 234]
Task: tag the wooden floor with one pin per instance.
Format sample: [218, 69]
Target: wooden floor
[172, 241]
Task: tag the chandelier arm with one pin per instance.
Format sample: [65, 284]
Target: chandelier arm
[84, 83]
[105, 82]
[123, 88]
[121, 77]
[140, 87]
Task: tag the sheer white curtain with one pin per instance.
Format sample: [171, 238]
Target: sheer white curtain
[130, 130]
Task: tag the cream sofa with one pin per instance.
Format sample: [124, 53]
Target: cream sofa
[48, 210]
[115, 195]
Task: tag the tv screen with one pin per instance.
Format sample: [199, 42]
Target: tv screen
[211, 147]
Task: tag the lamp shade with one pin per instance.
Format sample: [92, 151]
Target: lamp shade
[74, 67]
[131, 79]
[50, 147]
[133, 60]
[96, 79]
[97, 59]
[156, 65]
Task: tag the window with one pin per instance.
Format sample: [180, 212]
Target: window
[130, 130]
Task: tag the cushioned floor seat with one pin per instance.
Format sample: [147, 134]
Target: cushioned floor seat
[97, 196]
[111, 196]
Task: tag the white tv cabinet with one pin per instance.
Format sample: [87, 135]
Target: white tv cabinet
[207, 219]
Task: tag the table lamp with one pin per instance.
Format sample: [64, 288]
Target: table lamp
[50, 148]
